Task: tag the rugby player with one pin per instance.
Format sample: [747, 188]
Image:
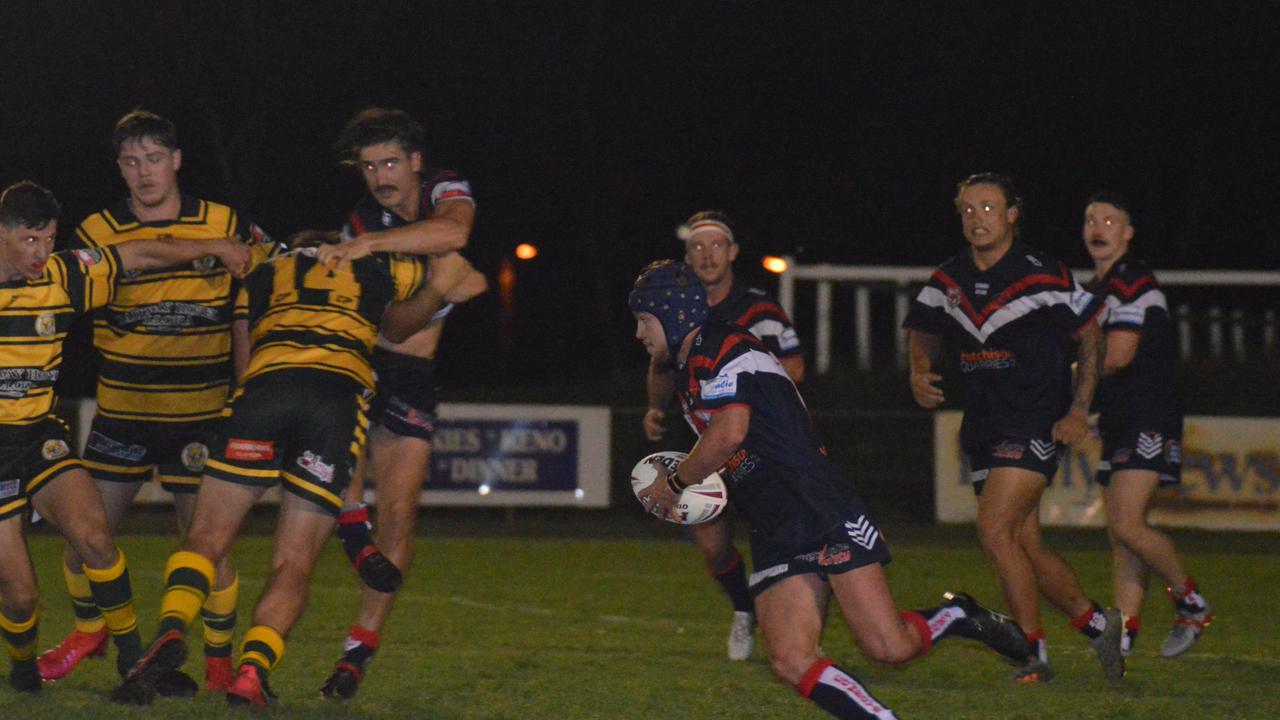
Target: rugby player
[424, 211]
[298, 419]
[167, 368]
[809, 539]
[42, 294]
[1012, 315]
[1140, 423]
[711, 246]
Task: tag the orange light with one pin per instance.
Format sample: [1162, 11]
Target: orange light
[525, 251]
[774, 264]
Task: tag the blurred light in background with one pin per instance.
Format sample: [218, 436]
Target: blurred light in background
[774, 264]
[525, 251]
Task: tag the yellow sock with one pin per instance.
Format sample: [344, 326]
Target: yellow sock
[219, 617]
[262, 646]
[88, 618]
[20, 637]
[113, 595]
[187, 579]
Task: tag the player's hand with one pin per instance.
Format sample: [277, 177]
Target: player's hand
[447, 271]
[659, 499]
[333, 255]
[923, 388]
[654, 424]
[1073, 428]
[233, 254]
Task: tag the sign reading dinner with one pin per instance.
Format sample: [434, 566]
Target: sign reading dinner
[504, 455]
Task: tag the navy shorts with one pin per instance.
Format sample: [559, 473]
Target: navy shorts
[1141, 450]
[848, 546]
[1040, 455]
[407, 394]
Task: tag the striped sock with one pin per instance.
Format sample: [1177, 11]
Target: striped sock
[20, 636]
[187, 579]
[219, 617]
[114, 597]
[262, 648]
[88, 617]
[836, 691]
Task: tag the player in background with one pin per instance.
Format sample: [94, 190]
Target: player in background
[167, 369]
[809, 540]
[1140, 423]
[711, 247]
[424, 211]
[298, 419]
[42, 294]
[1011, 316]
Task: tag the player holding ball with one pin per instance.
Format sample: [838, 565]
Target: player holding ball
[808, 540]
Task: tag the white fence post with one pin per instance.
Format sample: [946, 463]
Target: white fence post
[822, 347]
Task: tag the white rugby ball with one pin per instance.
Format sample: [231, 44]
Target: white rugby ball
[698, 503]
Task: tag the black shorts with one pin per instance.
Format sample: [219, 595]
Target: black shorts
[1040, 455]
[407, 394]
[303, 427]
[30, 456]
[138, 450]
[1141, 450]
[848, 546]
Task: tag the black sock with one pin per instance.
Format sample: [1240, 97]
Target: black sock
[733, 580]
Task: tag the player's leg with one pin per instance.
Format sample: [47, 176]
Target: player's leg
[218, 614]
[19, 609]
[1009, 495]
[89, 638]
[1130, 577]
[400, 465]
[355, 531]
[724, 564]
[790, 613]
[71, 502]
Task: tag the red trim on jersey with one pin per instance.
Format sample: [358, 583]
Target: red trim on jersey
[810, 679]
[1004, 297]
[756, 309]
[1085, 323]
[357, 225]
[1127, 292]
[702, 361]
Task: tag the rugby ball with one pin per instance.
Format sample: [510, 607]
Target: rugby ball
[698, 503]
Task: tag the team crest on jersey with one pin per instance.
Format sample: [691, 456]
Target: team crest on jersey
[54, 449]
[88, 258]
[205, 263]
[953, 297]
[194, 456]
[45, 324]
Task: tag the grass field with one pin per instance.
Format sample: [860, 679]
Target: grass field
[549, 622]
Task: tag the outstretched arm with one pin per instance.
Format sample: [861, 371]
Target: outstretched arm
[154, 254]
[451, 277]
[445, 231]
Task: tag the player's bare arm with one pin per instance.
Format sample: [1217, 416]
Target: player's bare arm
[924, 351]
[240, 348]
[1121, 349]
[154, 254]
[794, 365]
[661, 386]
[723, 437]
[1074, 426]
[445, 231]
[402, 319]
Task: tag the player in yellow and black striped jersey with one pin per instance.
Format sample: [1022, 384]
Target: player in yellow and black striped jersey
[298, 419]
[166, 347]
[40, 295]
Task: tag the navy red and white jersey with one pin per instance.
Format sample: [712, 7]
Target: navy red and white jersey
[1013, 327]
[438, 186]
[780, 477]
[753, 310]
[1139, 396]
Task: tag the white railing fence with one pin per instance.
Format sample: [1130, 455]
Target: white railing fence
[1225, 328]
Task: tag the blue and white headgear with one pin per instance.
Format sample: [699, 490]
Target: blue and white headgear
[670, 291]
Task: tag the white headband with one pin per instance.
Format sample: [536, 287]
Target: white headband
[686, 232]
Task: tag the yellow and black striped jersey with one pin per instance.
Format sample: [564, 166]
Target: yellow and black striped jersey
[166, 338]
[304, 315]
[35, 316]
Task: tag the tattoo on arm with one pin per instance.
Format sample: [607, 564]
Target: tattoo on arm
[1088, 366]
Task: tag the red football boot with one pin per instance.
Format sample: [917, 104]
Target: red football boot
[58, 662]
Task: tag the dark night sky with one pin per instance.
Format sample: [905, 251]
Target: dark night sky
[833, 130]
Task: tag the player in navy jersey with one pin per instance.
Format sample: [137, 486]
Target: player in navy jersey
[1140, 423]
[711, 246]
[809, 538]
[420, 211]
[1011, 316]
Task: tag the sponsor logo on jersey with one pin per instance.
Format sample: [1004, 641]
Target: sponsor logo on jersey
[45, 324]
[88, 258]
[194, 456]
[987, 360]
[315, 465]
[720, 386]
[10, 488]
[1121, 455]
[114, 448]
[54, 449]
[256, 234]
[250, 450]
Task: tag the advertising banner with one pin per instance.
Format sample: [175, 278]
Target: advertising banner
[1230, 478]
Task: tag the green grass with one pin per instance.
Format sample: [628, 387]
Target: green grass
[542, 622]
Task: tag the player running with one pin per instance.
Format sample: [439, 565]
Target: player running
[809, 540]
